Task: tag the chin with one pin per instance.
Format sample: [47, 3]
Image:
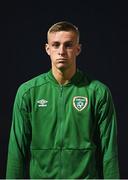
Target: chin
[62, 67]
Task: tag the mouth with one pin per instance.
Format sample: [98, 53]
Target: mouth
[61, 60]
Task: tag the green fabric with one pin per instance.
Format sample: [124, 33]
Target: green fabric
[70, 130]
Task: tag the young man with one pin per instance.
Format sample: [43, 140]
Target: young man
[65, 121]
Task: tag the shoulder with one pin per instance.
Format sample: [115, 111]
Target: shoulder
[92, 82]
[101, 91]
[96, 86]
[32, 83]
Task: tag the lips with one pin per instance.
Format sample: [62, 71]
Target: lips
[61, 60]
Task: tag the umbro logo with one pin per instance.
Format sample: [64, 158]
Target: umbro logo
[42, 103]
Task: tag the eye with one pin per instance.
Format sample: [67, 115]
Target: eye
[69, 45]
[56, 45]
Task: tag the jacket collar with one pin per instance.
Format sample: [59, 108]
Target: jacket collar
[77, 79]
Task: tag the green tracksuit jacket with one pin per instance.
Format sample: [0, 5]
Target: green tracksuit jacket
[69, 131]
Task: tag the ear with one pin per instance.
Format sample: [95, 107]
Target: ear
[47, 48]
[79, 47]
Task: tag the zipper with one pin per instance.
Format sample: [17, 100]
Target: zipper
[62, 115]
[61, 120]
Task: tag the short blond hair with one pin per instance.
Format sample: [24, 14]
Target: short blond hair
[64, 26]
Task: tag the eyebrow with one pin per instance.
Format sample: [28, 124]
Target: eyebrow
[64, 42]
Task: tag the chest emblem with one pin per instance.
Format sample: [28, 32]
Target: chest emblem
[42, 103]
[80, 102]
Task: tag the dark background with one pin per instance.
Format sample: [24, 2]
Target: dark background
[104, 37]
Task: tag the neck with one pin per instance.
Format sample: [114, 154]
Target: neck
[63, 77]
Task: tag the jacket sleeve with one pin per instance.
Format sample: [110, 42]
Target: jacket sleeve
[107, 124]
[19, 141]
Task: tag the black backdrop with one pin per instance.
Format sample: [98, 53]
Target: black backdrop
[104, 38]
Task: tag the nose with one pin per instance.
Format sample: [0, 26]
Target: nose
[61, 50]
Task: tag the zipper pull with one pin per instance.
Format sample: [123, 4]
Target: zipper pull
[61, 90]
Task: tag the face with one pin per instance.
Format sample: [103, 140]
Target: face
[62, 47]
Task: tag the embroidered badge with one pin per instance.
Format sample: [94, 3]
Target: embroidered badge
[42, 103]
[80, 102]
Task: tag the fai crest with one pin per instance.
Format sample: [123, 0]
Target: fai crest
[80, 102]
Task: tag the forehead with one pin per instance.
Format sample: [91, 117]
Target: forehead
[62, 36]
